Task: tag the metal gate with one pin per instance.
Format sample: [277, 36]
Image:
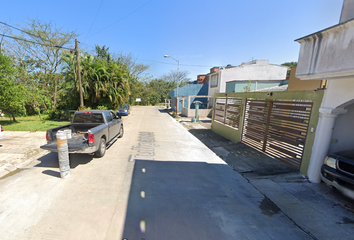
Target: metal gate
[278, 128]
[227, 111]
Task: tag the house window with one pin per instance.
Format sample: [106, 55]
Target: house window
[214, 80]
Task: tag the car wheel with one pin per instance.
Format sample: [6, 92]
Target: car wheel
[102, 148]
[121, 132]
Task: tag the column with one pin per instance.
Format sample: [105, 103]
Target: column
[322, 141]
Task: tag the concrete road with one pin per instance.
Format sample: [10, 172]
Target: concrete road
[157, 182]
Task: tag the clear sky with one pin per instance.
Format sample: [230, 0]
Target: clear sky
[199, 33]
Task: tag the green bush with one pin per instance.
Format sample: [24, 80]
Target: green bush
[57, 115]
[102, 108]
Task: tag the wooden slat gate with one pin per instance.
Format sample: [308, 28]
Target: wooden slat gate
[277, 127]
[227, 111]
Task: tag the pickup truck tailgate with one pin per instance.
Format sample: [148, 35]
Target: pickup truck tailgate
[76, 144]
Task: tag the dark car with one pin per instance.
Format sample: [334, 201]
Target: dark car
[123, 110]
[338, 171]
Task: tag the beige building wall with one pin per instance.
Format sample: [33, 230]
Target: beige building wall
[295, 84]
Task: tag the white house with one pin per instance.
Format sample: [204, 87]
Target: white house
[329, 54]
[256, 75]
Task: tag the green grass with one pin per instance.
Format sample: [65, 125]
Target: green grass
[32, 123]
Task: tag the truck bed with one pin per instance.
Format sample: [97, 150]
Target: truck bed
[78, 140]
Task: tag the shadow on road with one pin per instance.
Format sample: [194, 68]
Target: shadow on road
[51, 161]
[168, 111]
[241, 157]
[197, 200]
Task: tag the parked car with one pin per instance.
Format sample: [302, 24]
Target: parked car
[123, 110]
[91, 131]
[2, 133]
[338, 171]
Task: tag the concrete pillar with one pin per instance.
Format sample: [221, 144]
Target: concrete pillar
[322, 141]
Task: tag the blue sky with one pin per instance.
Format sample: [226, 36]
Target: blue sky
[199, 33]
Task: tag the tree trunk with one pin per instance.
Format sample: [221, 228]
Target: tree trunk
[13, 116]
[55, 93]
[39, 113]
[45, 105]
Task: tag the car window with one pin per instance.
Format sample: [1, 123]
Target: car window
[108, 116]
[88, 118]
[113, 116]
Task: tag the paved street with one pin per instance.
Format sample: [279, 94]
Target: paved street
[159, 182]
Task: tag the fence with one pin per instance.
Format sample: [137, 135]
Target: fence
[228, 111]
[281, 124]
[188, 107]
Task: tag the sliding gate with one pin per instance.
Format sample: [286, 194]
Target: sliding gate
[278, 128]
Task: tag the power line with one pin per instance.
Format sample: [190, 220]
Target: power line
[88, 45]
[95, 18]
[187, 65]
[121, 18]
[29, 41]
[23, 31]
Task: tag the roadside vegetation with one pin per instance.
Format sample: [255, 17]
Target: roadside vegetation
[39, 77]
[31, 123]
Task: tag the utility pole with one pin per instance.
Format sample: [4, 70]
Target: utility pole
[79, 72]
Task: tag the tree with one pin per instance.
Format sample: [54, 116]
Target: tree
[12, 97]
[135, 77]
[172, 77]
[103, 53]
[162, 87]
[289, 64]
[42, 56]
[104, 82]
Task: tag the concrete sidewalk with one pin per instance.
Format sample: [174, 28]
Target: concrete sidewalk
[20, 148]
[161, 182]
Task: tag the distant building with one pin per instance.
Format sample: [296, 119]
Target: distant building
[188, 90]
[250, 76]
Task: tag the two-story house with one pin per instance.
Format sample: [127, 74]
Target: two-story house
[250, 76]
[329, 54]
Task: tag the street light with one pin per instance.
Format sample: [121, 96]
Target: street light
[167, 56]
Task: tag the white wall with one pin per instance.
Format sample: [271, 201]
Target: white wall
[347, 11]
[343, 132]
[339, 92]
[327, 54]
[259, 71]
[217, 89]
[255, 72]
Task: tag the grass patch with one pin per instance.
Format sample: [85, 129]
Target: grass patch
[32, 123]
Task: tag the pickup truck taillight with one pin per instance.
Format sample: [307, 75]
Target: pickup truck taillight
[47, 137]
[2, 129]
[91, 139]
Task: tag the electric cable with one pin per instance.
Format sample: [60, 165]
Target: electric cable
[24, 31]
[173, 63]
[29, 41]
[94, 19]
[121, 18]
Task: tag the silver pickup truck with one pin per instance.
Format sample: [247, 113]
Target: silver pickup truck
[91, 131]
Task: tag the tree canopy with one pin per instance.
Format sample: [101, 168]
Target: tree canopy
[38, 73]
[12, 95]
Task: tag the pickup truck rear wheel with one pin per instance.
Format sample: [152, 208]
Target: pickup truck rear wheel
[102, 148]
[121, 132]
